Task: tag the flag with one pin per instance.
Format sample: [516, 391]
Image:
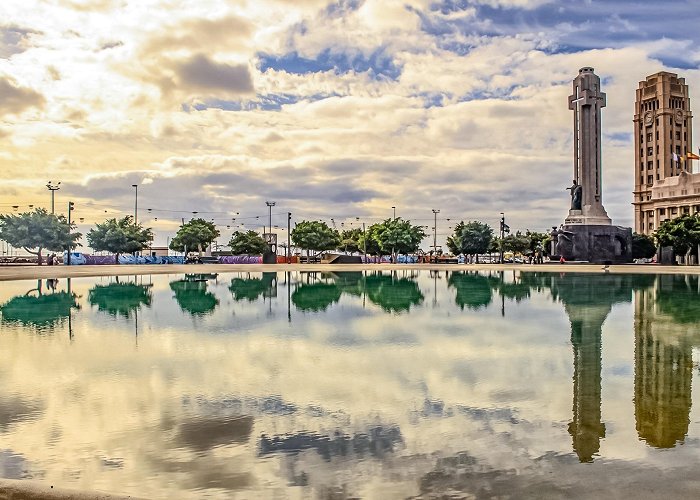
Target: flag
[692, 156]
[676, 158]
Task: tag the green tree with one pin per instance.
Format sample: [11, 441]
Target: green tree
[538, 241]
[369, 241]
[643, 246]
[119, 236]
[398, 236]
[350, 240]
[472, 238]
[247, 243]
[315, 235]
[196, 234]
[38, 230]
[516, 243]
[681, 233]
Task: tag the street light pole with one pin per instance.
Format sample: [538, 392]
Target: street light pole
[503, 226]
[289, 241]
[71, 207]
[53, 188]
[394, 209]
[435, 212]
[270, 204]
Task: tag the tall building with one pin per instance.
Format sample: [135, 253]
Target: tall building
[663, 127]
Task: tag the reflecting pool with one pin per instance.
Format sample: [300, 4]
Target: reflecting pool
[400, 384]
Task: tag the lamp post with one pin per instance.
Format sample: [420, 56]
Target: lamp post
[53, 188]
[136, 203]
[364, 239]
[435, 212]
[394, 209]
[71, 207]
[503, 226]
[289, 233]
[270, 204]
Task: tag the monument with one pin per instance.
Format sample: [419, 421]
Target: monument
[588, 233]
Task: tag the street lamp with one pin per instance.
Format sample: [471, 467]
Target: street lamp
[136, 203]
[270, 204]
[435, 212]
[503, 226]
[53, 188]
[394, 209]
[364, 239]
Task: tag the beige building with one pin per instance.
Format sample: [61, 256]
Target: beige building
[663, 126]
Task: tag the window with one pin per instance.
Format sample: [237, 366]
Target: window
[678, 150]
[649, 136]
[651, 226]
[685, 136]
[641, 153]
[678, 136]
[650, 165]
[662, 211]
[650, 151]
[657, 134]
[657, 177]
[686, 210]
[674, 210]
[670, 134]
[650, 179]
[657, 164]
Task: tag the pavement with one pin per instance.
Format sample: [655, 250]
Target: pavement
[42, 272]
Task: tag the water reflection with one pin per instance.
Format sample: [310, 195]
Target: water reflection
[340, 383]
[120, 298]
[192, 296]
[39, 307]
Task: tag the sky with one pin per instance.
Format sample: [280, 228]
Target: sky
[339, 109]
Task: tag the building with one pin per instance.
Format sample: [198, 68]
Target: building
[663, 127]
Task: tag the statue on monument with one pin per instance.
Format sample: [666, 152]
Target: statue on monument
[576, 195]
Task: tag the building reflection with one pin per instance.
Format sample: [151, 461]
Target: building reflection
[665, 326]
[588, 299]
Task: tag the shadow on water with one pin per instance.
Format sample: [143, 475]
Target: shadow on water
[192, 296]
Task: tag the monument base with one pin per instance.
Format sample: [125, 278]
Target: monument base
[598, 243]
[581, 217]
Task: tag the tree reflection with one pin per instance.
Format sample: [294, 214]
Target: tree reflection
[250, 289]
[316, 296]
[473, 289]
[38, 309]
[120, 299]
[392, 294]
[192, 296]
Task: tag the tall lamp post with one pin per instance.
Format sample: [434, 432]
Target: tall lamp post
[394, 209]
[364, 239]
[71, 207]
[270, 204]
[136, 203]
[435, 212]
[53, 188]
[503, 233]
[289, 239]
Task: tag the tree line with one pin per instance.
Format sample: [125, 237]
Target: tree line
[38, 231]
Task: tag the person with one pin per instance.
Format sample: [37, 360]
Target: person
[55, 259]
[561, 259]
[49, 259]
[576, 193]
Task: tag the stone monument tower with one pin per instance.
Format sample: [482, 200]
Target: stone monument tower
[587, 233]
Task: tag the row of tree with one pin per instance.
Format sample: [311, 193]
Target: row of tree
[39, 230]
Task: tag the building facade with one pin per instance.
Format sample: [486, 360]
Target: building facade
[663, 127]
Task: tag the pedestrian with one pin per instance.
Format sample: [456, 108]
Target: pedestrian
[561, 259]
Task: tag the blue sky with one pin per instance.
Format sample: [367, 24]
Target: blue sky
[334, 109]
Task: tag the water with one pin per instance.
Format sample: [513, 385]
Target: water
[353, 385]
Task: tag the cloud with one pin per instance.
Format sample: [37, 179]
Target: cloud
[201, 73]
[15, 40]
[16, 99]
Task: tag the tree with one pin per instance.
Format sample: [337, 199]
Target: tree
[315, 235]
[119, 236]
[472, 238]
[538, 241]
[398, 236]
[38, 230]
[516, 243]
[247, 243]
[643, 246]
[368, 241]
[195, 234]
[350, 240]
[681, 233]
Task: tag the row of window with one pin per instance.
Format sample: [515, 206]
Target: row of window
[650, 150]
[650, 137]
[652, 105]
